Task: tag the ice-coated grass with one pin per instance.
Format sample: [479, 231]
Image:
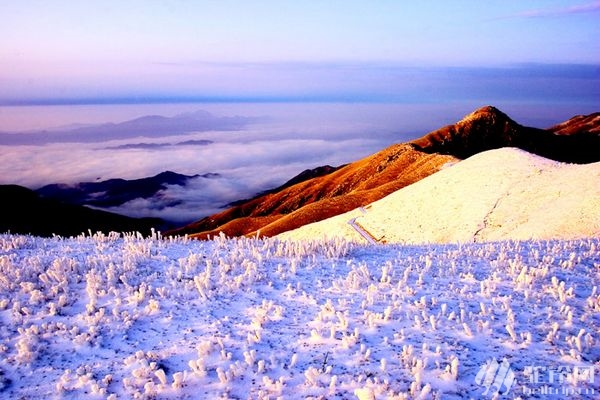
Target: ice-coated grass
[122, 316]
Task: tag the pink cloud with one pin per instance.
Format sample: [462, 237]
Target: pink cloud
[555, 12]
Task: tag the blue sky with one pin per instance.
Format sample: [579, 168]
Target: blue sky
[336, 50]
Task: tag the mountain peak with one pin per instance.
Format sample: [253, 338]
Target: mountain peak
[488, 128]
[484, 129]
[489, 115]
[488, 110]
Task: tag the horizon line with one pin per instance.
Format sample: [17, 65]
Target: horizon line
[133, 100]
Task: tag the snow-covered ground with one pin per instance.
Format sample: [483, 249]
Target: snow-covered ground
[494, 195]
[131, 317]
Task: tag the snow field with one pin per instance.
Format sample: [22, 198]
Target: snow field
[122, 316]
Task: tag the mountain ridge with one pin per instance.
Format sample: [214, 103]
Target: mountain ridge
[370, 178]
[364, 181]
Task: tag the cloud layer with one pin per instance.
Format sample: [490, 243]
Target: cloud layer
[248, 161]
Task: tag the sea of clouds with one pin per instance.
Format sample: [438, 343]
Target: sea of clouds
[256, 154]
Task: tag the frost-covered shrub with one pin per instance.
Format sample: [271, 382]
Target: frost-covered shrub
[123, 316]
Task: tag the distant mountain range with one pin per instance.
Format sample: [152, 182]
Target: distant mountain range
[68, 210]
[151, 126]
[115, 192]
[152, 146]
[374, 177]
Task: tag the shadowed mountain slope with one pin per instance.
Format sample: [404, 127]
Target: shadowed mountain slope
[23, 211]
[374, 177]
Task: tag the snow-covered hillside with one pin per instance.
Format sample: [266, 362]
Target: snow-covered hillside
[494, 195]
[130, 317]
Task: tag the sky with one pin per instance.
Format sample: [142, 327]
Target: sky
[143, 51]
